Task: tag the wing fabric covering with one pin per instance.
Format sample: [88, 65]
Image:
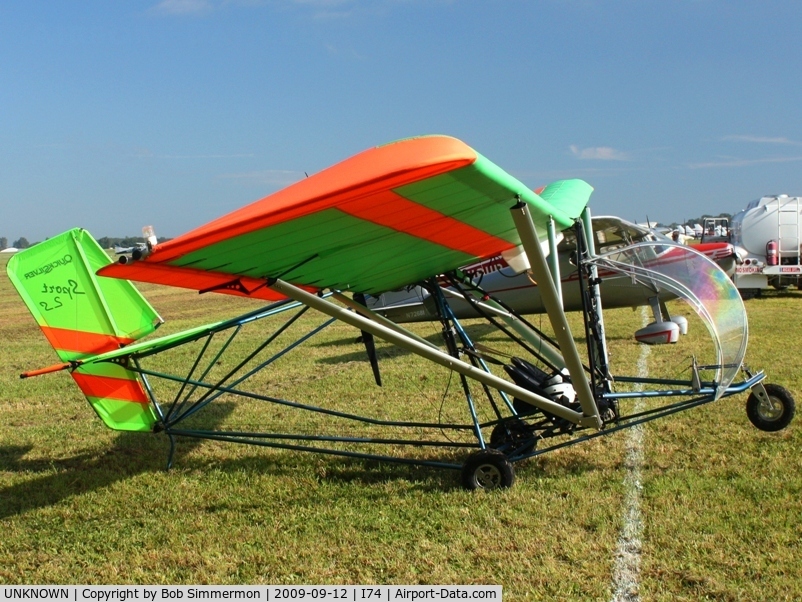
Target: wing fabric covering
[83, 315]
[388, 217]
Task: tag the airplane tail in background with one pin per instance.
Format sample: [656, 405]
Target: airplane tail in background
[82, 315]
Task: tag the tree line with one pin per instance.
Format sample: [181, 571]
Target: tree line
[20, 243]
[107, 242]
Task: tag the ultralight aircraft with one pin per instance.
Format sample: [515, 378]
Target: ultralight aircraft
[403, 214]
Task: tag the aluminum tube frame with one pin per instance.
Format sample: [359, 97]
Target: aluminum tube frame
[372, 315]
[587, 222]
[435, 355]
[550, 352]
[497, 310]
[543, 347]
[554, 260]
[548, 294]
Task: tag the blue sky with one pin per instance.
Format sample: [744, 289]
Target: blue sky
[114, 115]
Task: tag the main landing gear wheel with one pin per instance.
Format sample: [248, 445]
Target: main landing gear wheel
[773, 413]
[487, 469]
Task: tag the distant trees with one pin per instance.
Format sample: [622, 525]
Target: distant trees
[109, 242]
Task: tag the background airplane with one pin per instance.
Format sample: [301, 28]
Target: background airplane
[518, 291]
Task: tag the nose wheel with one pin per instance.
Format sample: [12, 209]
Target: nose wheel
[770, 407]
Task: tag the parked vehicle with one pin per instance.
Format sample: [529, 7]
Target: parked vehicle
[767, 237]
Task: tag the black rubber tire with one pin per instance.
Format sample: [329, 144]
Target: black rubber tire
[773, 418]
[487, 469]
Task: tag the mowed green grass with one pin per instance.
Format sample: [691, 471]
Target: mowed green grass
[720, 500]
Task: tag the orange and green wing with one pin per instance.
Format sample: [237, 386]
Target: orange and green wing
[83, 315]
[388, 217]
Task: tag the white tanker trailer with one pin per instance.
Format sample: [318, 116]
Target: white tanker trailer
[766, 236]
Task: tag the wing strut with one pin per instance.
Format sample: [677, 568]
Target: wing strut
[430, 353]
[551, 300]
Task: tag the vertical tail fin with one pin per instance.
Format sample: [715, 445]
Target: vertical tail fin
[82, 314]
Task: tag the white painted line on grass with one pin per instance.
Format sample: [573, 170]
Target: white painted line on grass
[626, 578]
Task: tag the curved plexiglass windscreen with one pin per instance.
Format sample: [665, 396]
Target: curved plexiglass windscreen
[698, 281]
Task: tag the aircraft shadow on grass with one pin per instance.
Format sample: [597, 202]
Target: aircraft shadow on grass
[133, 454]
[130, 454]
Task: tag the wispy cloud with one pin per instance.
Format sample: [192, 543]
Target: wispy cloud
[735, 162]
[330, 10]
[347, 53]
[183, 7]
[761, 140]
[323, 4]
[271, 177]
[316, 9]
[234, 156]
[599, 153]
[146, 153]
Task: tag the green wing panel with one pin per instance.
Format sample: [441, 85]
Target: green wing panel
[565, 200]
[363, 256]
[476, 194]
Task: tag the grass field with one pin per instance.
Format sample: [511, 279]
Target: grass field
[720, 501]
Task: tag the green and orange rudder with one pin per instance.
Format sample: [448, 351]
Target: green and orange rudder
[82, 315]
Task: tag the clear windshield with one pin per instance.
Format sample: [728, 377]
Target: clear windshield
[698, 281]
